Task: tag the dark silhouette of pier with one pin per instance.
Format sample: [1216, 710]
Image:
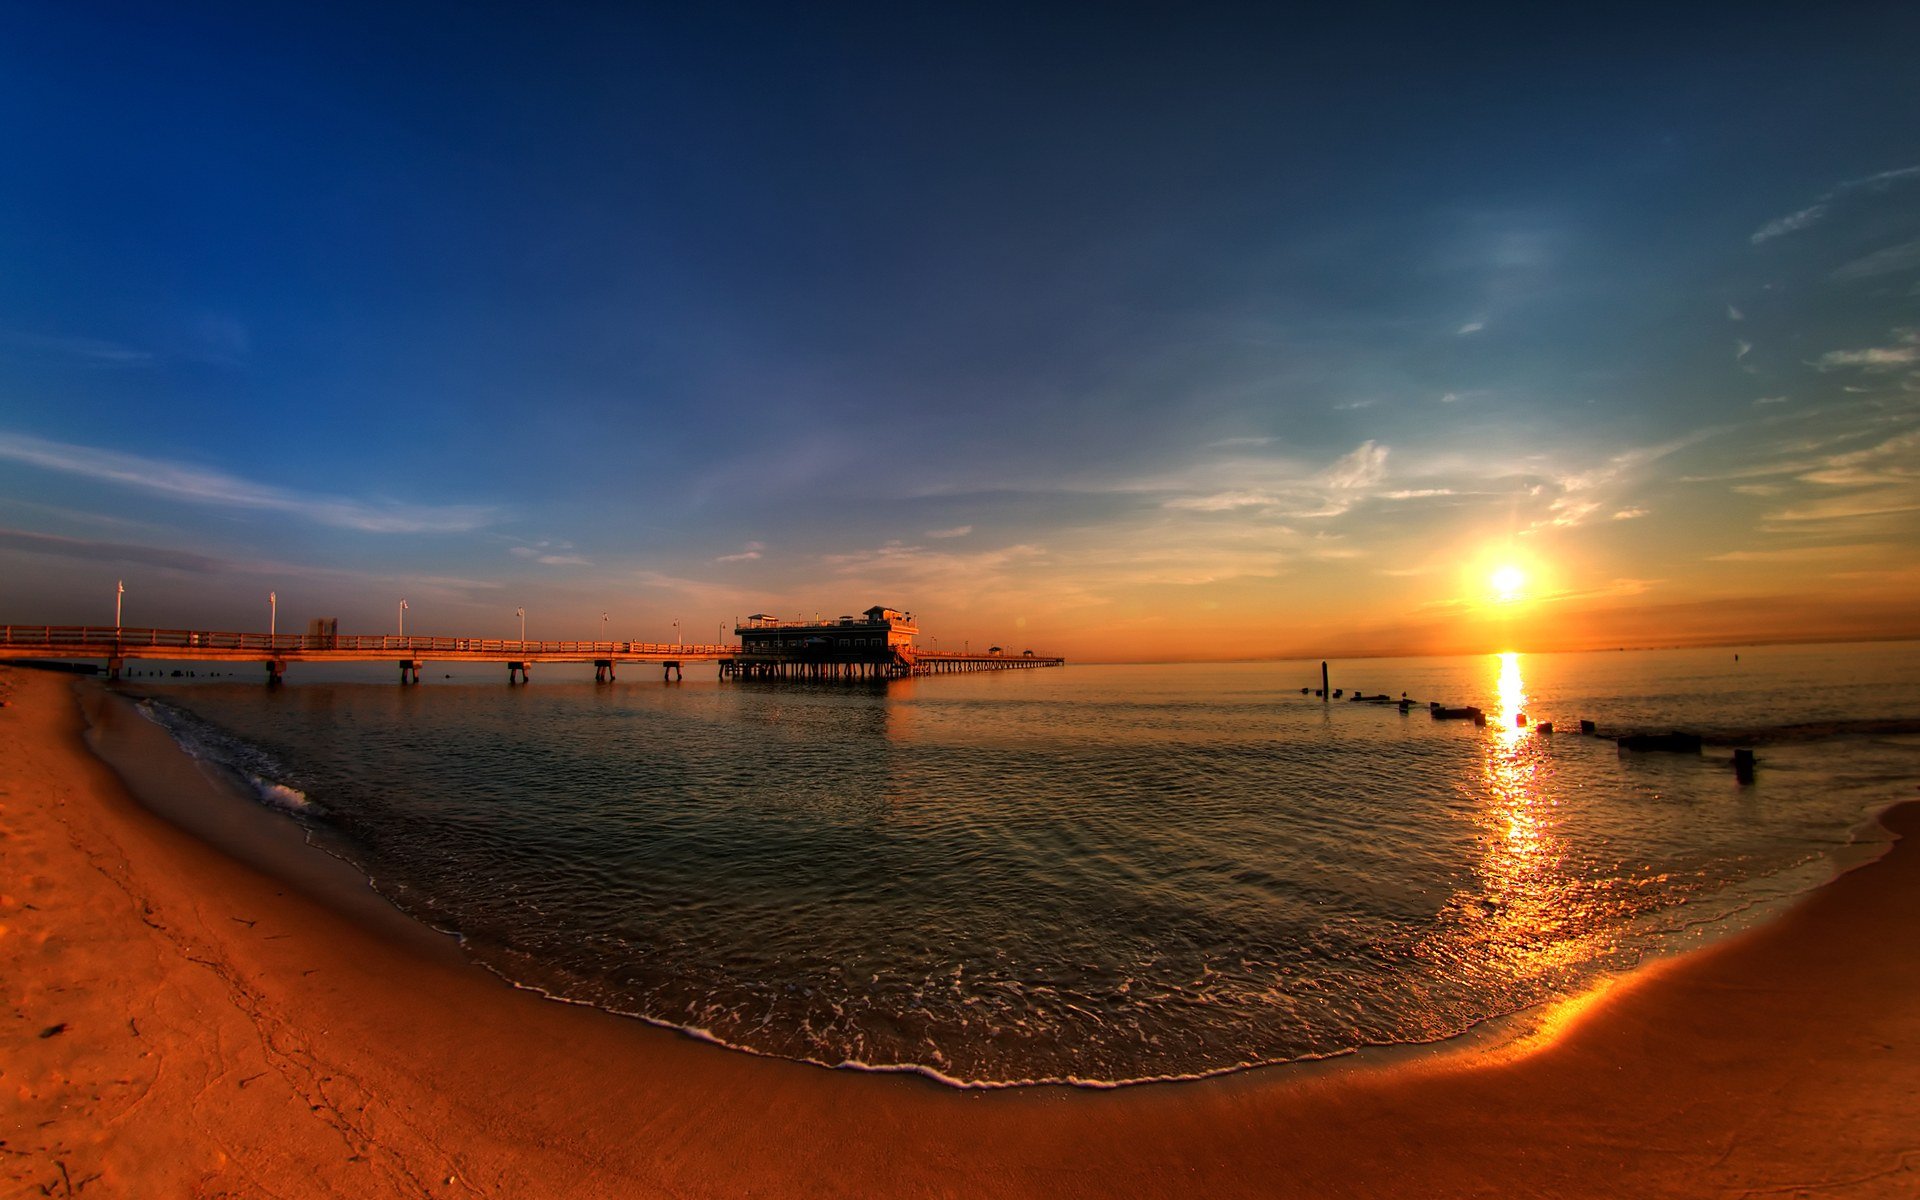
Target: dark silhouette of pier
[118, 645]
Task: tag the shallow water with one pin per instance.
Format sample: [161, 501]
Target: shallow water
[1098, 874]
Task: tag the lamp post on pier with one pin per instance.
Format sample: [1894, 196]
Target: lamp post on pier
[521, 612]
[119, 590]
[603, 627]
[403, 618]
[273, 615]
[676, 631]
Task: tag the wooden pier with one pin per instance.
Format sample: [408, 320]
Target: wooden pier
[117, 646]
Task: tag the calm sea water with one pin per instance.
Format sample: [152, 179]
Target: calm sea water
[1098, 874]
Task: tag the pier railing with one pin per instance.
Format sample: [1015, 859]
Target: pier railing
[70, 638]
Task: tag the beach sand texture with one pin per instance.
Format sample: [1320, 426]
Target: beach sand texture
[180, 1022]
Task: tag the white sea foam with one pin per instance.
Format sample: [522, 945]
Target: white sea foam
[204, 743]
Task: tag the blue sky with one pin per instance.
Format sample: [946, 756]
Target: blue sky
[1125, 331]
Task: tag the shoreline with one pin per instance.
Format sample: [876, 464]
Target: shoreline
[222, 1030]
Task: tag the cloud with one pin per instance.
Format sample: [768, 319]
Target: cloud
[197, 564]
[1761, 401]
[1365, 466]
[1734, 314]
[1470, 327]
[956, 531]
[1904, 351]
[1226, 501]
[89, 550]
[1904, 257]
[1354, 405]
[1629, 514]
[1798, 554]
[94, 350]
[1818, 210]
[201, 485]
[547, 558]
[1791, 223]
[747, 553]
[1584, 493]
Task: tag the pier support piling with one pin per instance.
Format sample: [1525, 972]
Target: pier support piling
[517, 673]
[276, 672]
[603, 670]
[409, 671]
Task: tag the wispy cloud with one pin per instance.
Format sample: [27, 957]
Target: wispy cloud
[1365, 466]
[195, 563]
[92, 550]
[746, 553]
[1904, 257]
[550, 553]
[1823, 205]
[1470, 327]
[1582, 494]
[1904, 351]
[203, 485]
[1791, 223]
[1227, 501]
[1286, 490]
[94, 350]
[956, 531]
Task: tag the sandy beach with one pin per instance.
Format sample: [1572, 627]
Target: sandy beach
[200, 1005]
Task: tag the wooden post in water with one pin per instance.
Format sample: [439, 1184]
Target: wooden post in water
[1325, 695]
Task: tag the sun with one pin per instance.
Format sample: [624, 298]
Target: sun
[1508, 582]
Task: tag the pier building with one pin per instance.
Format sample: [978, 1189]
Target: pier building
[877, 644]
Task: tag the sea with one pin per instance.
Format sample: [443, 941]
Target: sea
[1094, 875]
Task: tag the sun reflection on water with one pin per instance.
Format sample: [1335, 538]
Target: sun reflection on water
[1513, 696]
[1522, 917]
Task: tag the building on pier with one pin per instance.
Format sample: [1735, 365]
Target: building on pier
[878, 644]
[878, 634]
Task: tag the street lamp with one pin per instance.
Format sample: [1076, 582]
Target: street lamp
[603, 627]
[403, 618]
[676, 631]
[120, 589]
[522, 614]
[273, 615]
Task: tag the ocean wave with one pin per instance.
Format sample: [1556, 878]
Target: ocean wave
[248, 765]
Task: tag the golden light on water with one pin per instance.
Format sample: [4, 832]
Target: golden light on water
[1523, 913]
[1512, 691]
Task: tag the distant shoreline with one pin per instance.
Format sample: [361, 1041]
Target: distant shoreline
[232, 1032]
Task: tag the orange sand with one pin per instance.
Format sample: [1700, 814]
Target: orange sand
[180, 1024]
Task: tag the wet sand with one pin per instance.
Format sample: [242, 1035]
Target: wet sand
[182, 1022]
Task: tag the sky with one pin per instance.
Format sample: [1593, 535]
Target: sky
[1113, 331]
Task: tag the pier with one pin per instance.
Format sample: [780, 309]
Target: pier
[764, 655]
